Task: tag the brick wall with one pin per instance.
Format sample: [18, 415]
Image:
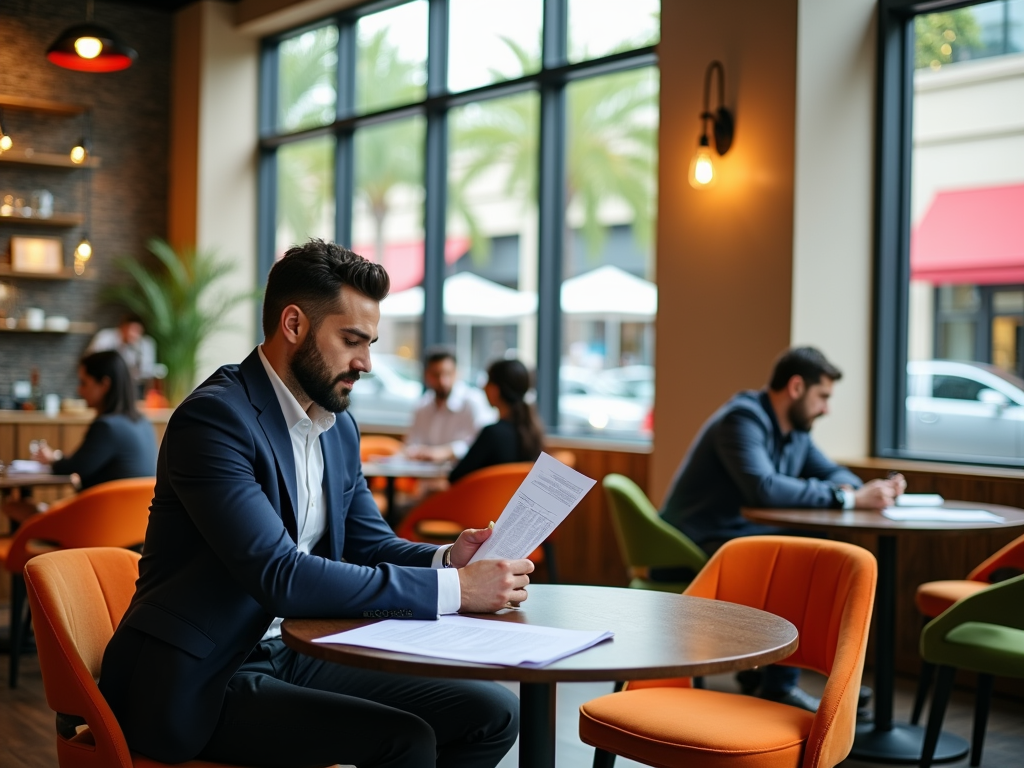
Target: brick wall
[130, 118]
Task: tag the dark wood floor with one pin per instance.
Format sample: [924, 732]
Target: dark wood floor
[27, 724]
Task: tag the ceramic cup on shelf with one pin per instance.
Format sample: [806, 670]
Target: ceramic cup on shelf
[35, 318]
[57, 323]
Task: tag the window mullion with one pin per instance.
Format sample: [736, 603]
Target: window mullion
[266, 197]
[344, 156]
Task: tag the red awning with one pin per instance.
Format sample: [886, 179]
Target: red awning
[971, 236]
[404, 261]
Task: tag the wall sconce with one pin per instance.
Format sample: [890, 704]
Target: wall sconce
[702, 170]
[90, 48]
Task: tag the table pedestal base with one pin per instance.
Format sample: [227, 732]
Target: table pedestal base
[537, 725]
[903, 744]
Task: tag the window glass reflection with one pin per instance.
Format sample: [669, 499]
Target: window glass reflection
[305, 192]
[387, 227]
[306, 79]
[602, 27]
[391, 57]
[490, 292]
[609, 294]
[492, 40]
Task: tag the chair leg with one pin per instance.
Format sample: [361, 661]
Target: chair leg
[548, 548]
[943, 688]
[18, 623]
[924, 683]
[698, 682]
[603, 759]
[981, 704]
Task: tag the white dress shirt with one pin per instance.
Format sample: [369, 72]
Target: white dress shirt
[305, 428]
[456, 422]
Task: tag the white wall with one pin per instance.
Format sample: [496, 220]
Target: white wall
[833, 216]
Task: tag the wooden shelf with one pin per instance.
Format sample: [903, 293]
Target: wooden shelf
[57, 220]
[26, 104]
[64, 274]
[46, 159]
[72, 328]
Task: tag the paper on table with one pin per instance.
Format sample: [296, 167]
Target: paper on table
[467, 639]
[942, 515]
[545, 498]
[28, 467]
[919, 500]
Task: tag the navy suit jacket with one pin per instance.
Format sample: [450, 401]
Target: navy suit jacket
[220, 561]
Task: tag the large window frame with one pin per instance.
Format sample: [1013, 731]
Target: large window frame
[893, 177]
[550, 82]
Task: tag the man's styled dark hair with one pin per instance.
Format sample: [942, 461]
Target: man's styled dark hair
[438, 353]
[807, 363]
[311, 276]
[120, 397]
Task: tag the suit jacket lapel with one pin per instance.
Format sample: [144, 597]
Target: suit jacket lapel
[264, 400]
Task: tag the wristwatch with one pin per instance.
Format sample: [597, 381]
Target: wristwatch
[446, 558]
[841, 498]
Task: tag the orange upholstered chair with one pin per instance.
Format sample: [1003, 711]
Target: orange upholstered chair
[823, 587]
[78, 597]
[113, 514]
[934, 597]
[472, 502]
[371, 446]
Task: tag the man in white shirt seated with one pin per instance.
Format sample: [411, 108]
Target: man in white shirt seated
[128, 339]
[450, 415]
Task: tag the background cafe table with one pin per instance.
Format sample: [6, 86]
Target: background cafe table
[657, 635]
[394, 468]
[884, 741]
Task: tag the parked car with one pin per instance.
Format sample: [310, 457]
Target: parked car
[964, 409]
[388, 395]
[587, 404]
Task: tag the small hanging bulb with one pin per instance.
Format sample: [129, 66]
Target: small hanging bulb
[83, 252]
[702, 170]
[80, 152]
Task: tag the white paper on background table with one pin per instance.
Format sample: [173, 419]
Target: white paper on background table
[919, 500]
[941, 515]
[28, 467]
[543, 500]
[463, 638]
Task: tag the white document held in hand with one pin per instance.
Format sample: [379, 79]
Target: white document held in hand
[467, 639]
[545, 499]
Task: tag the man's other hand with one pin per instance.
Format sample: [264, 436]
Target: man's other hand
[879, 494]
[489, 585]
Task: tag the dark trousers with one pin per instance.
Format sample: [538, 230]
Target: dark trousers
[287, 710]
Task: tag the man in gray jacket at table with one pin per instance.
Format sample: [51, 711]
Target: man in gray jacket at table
[756, 451]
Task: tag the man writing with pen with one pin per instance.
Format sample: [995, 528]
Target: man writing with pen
[756, 451]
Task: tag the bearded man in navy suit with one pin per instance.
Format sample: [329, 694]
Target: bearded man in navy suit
[260, 512]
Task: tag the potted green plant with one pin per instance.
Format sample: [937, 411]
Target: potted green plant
[173, 297]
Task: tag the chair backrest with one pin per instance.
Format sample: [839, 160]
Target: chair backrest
[644, 538]
[78, 597]
[378, 445]
[1010, 556]
[826, 589]
[472, 502]
[113, 514]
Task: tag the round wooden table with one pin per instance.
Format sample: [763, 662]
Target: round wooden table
[10, 480]
[391, 469]
[657, 634]
[883, 741]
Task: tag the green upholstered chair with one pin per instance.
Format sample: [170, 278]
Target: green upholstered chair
[982, 633]
[645, 539]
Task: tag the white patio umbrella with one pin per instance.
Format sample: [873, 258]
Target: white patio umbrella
[608, 291]
[468, 299]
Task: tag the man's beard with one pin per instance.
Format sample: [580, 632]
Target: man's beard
[798, 416]
[312, 373]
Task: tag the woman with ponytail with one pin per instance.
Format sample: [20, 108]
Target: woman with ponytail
[517, 435]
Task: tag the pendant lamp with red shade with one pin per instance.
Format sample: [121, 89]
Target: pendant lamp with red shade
[90, 47]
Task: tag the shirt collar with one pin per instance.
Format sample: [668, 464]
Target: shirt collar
[290, 407]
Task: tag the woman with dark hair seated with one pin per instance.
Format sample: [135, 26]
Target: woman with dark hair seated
[517, 435]
[120, 442]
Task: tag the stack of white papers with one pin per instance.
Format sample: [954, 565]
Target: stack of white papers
[919, 500]
[28, 467]
[942, 515]
[467, 639]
